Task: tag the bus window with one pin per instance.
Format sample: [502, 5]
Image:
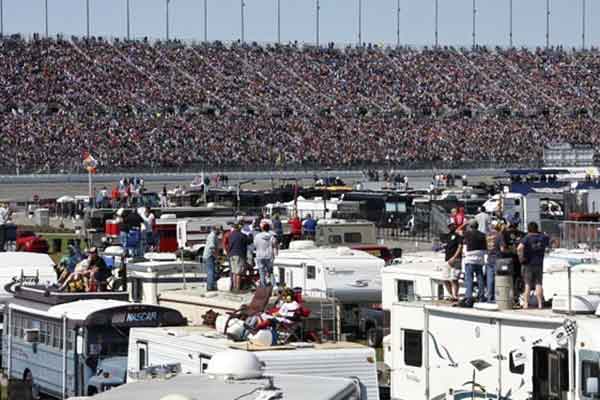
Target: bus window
[352, 237]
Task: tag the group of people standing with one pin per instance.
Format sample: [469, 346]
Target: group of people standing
[475, 249]
[242, 248]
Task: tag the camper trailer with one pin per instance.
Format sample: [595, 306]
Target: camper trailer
[439, 352]
[351, 278]
[193, 347]
[160, 272]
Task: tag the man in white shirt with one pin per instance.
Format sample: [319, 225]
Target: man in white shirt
[147, 227]
[266, 247]
[483, 220]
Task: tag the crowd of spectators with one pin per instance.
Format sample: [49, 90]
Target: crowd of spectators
[136, 104]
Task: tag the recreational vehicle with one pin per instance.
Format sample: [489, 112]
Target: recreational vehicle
[236, 375]
[350, 277]
[73, 343]
[193, 347]
[441, 352]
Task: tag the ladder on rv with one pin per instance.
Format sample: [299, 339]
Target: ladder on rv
[328, 316]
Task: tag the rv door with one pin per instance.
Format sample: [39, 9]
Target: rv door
[142, 355]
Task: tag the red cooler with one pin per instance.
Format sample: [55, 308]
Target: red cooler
[111, 228]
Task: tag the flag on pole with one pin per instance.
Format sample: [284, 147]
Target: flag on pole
[89, 163]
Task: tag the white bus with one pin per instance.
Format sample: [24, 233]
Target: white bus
[72, 344]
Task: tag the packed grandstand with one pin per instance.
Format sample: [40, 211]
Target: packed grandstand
[136, 104]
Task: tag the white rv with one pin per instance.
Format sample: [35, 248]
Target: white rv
[236, 375]
[440, 352]
[317, 207]
[193, 347]
[147, 279]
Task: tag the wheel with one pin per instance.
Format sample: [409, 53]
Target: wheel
[374, 337]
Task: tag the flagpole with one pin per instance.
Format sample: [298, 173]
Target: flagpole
[46, 16]
[205, 22]
[128, 22]
[167, 21]
[87, 17]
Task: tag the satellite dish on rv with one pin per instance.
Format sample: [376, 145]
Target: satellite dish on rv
[235, 364]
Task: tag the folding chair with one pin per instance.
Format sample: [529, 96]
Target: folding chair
[257, 305]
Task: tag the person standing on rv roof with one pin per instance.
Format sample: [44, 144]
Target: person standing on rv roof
[483, 220]
[531, 252]
[511, 237]
[278, 228]
[494, 244]
[209, 257]
[295, 227]
[237, 248]
[266, 250]
[475, 247]
[309, 226]
[147, 228]
[453, 261]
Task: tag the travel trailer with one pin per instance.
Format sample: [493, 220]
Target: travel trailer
[192, 348]
[438, 352]
[235, 375]
[160, 272]
[317, 207]
[73, 343]
[350, 277]
[339, 232]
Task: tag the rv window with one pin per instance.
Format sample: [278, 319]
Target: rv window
[204, 360]
[589, 369]
[352, 237]
[335, 239]
[142, 358]
[390, 207]
[311, 272]
[413, 348]
[406, 290]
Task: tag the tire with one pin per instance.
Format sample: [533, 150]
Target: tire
[374, 337]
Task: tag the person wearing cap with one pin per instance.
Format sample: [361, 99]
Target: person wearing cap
[209, 257]
[453, 250]
[474, 250]
[266, 250]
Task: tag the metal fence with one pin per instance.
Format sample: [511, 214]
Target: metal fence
[574, 234]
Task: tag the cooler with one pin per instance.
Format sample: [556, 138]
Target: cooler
[111, 228]
[167, 236]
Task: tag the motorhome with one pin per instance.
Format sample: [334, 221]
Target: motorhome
[350, 277]
[73, 343]
[318, 207]
[339, 232]
[236, 375]
[193, 347]
[159, 272]
[438, 352]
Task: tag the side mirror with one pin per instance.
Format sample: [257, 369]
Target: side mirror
[591, 386]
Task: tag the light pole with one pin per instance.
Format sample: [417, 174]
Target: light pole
[242, 5]
[1, 17]
[436, 23]
[279, 21]
[547, 23]
[510, 23]
[582, 24]
[318, 10]
[360, 23]
[87, 17]
[205, 22]
[128, 22]
[398, 24]
[474, 24]
[46, 15]
[167, 19]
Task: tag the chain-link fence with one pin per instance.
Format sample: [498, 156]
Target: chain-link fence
[577, 233]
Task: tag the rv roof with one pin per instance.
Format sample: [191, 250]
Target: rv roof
[329, 253]
[204, 334]
[292, 387]
[545, 315]
[343, 221]
[29, 262]
[81, 309]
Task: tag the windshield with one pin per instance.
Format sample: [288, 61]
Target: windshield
[108, 341]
